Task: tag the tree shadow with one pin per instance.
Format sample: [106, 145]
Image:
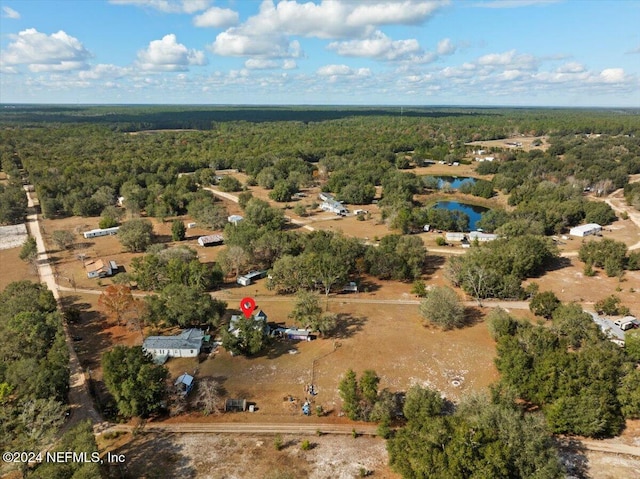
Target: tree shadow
[472, 316]
[366, 286]
[348, 325]
[152, 455]
[276, 347]
[558, 264]
[433, 264]
[573, 457]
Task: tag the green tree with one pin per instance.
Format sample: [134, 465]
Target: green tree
[117, 301]
[178, 230]
[632, 345]
[611, 306]
[136, 235]
[283, 191]
[244, 198]
[135, 382]
[443, 308]
[62, 238]
[29, 250]
[208, 213]
[306, 310]
[350, 395]
[229, 183]
[544, 304]
[249, 337]
[629, 391]
[233, 259]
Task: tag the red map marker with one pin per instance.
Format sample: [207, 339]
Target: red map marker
[247, 305]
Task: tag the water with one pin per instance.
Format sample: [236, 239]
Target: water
[454, 181]
[472, 211]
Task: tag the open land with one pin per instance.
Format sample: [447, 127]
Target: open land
[381, 329]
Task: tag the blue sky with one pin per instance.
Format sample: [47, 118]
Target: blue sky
[574, 53]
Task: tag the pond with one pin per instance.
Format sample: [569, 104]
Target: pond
[472, 211]
[454, 181]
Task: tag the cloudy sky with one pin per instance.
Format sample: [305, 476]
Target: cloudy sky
[359, 52]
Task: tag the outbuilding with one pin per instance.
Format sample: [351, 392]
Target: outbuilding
[250, 277]
[184, 384]
[234, 219]
[211, 240]
[585, 230]
[100, 268]
[101, 232]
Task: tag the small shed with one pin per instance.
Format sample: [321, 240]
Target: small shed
[234, 219]
[350, 287]
[235, 405]
[298, 334]
[100, 268]
[184, 384]
[211, 240]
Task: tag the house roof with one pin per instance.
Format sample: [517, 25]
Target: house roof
[217, 238]
[96, 265]
[187, 339]
[585, 228]
[185, 379]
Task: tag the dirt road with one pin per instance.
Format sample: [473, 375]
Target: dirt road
[80, 400]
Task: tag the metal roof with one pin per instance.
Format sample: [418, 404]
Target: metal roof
[187, 339]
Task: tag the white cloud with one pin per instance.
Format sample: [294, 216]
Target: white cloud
[612, 75]
[408, 12]
[342, 71]
[446, 47]
[260, 64]
[167, 6]
[104, 71]
[510, 58]
[634, 51]
[267, 33]
[379, 46]
[167, 55]
[289, 64]
[8, 12]
[217, 18]
[571, 67]
[41, 52]
[234, 43]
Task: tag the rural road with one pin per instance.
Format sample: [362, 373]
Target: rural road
[313, 428]
[80, 400]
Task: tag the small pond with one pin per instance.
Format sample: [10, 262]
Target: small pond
[454, 181]
[472, 211]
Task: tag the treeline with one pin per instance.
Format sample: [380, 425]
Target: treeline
[583, 383]
[34, 381]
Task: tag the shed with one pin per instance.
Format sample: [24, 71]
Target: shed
[585, 230]
[235, 405]
[250, 277]
[298, 334]
[234, 219]
[350, 287]
[211, 240]
[184, 384]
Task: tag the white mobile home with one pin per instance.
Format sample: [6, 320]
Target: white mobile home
[250, 277]
[585, 230]
[185, 345]
[101, 232]
[211, 240]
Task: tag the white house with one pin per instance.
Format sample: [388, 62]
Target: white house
[211, 240]
[453, 236]
[187, 344]
[585, 230]
[100, 268]
[481, 237]
[101, 232]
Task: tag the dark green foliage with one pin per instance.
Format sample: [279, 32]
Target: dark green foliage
[136, 235]
[283, 191]
[569, 371]
[29, 250]
[13, 204]
[244, 198]
[229, 183]
[184, 306]
[208, 213]
[135, 382]
[598, 253]
[496, 269]
[79, 439]
[544, 304]
[443, 308]
[611, 306]
[34, 359]
[249, 339]
[361, 400]
[178, 265]
[482, 439]
[629, 390]
[632, 345]
[178, 230]
[598, 212]
[397, 257]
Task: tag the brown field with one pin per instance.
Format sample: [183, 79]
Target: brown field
[525, 140]
[12, 268]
